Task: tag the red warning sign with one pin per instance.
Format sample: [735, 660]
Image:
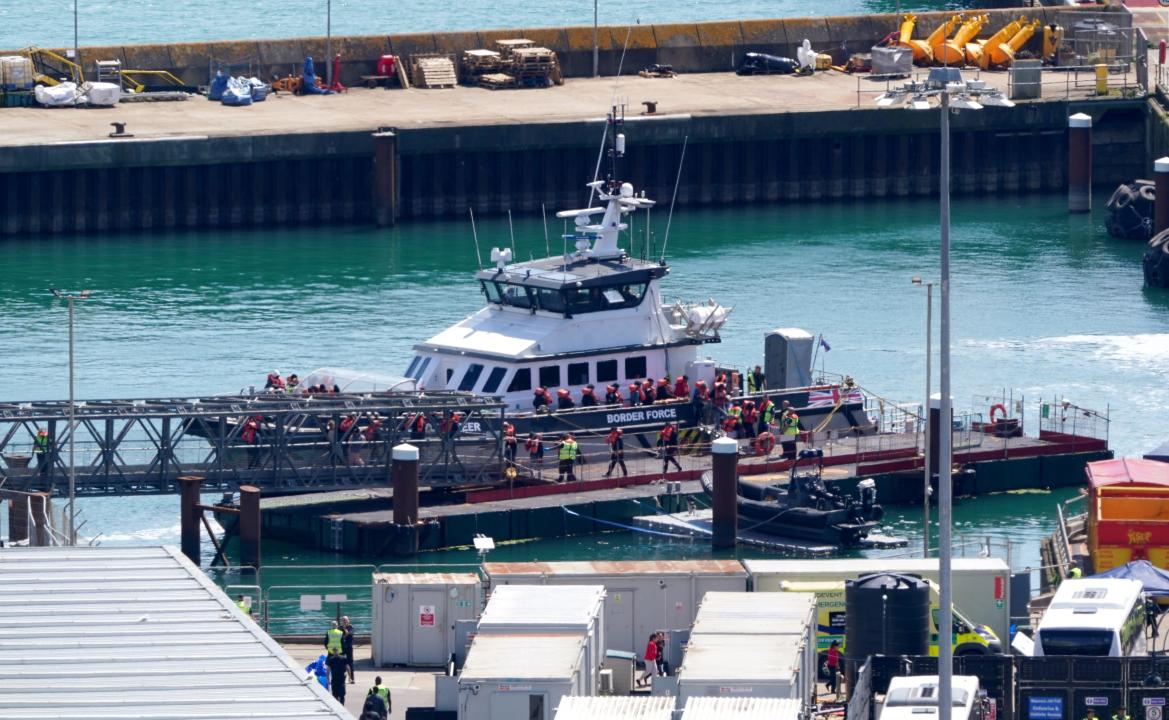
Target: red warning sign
[425, 616]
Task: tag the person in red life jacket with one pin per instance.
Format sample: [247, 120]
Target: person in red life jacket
[275, 382]
[749, 418]
[701, 401]
[250, 435]
[732, 423]
[347, 422]
[636, 396]
[682, 387]
[564, 400]
[535, 448]
[616, 442]
[668, 442]
[588, 396]
[541, 400]
[764, 443]
[510, 444]
[647, 392]
[613, 395]
[373, 436]
[418, 427]
[719, 397]
[348, 439]
[663, 392]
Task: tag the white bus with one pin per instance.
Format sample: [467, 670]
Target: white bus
[1103, 617]
[911, 698]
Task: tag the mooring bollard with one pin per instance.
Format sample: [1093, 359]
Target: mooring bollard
[1079, 163]
[249, 526]
[725, 469]
[404, 475]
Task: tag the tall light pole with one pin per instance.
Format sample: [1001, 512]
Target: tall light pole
[596, 53]
[71, 298]
[929, 388]
[328, 43]
[76, 49]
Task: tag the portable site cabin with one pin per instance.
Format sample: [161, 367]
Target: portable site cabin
[787, 614]
[1128, 512]
[414, 615]
[741, 708]
[520, 676]
[981, 585]
[616, 707]
[746, 665]
[642, 596]
[522, 609]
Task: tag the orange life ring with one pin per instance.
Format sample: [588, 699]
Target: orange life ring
[1001, 408]
[764, 444]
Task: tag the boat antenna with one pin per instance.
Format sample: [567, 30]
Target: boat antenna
[674, 199]
[564, 238]
[612, 103]
[475, 235]
[511, 231]
[547, 247]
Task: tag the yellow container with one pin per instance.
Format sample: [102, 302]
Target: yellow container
[1101, 79]
[823, 61]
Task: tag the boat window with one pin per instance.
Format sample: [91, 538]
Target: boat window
[606, 371]
[493, 379]
[420, 372]
[579, 300]
[471, 377]
[413, 366]
[550, 300]
[517, 296]
[578, 373]
[635, 367]
[522, 380]
[491, 290]
[550, 376]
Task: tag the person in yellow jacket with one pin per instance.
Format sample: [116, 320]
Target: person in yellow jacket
[333, 639]
[568, 452]
[789, 429]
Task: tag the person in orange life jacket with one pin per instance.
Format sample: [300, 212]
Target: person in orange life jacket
[564, 400]
[663, 392]
[275, 382]
[510, 443]
[635, 394]
[348, 439]
[764, 443]
[647, 391]
[616, 442]
[720, 397]
[450, 425]
[588, 396]
[668, 442]
[732, 423]
[750, 418]
[613, 395]
[249, 435]
[535, 447]
[701, 400]
[373, 436]
[682, 387]
[541, 399]
[418, 427]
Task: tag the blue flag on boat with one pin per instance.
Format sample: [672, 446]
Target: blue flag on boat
[824, 344]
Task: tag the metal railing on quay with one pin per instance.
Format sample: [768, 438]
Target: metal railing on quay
[307, 609]
[1060, 415]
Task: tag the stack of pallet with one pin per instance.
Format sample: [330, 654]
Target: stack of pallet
[477, 63]
[505, 48]
[433, 71]
[535, 66]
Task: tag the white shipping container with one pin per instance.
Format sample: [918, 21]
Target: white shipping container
[414, 615]
[642, 596]
[745, 666]
[740, 708]
[520, 676]
[981, 586]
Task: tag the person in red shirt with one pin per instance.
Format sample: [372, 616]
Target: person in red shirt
[682, 388]
[833, 664]
[651, 660]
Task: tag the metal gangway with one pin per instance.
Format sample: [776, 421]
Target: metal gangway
[271, 440]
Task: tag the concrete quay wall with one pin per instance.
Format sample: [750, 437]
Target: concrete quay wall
[689, 47]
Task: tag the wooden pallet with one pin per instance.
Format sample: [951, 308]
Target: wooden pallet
[433, 71]
[496, 81]
[508, 46]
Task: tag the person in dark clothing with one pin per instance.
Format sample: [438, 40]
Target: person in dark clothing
[668, 442]
[347, 645]
[374, 707]
[337, 663]
[616, 442]
[564, 400]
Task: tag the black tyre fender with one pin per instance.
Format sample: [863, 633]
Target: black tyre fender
[1147, 193]
[1124, 197]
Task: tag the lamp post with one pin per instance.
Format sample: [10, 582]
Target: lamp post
[76, 49]
[329, 43]
[929, 352]
[71, 298]
[596, 54]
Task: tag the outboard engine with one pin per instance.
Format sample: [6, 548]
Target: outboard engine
[866, 491]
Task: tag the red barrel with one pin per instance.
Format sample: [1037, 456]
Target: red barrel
[385, 65]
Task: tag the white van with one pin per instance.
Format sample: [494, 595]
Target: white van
[916, 698]
[1088, 616]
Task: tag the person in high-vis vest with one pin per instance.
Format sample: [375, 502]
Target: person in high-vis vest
[333, 638]
[789, 426]
[243, 605]
[1121, 714]
[382, 693]
[1090, 714]
[567, 457]
[40, 450]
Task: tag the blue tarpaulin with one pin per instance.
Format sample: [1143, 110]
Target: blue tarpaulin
[1155, 580]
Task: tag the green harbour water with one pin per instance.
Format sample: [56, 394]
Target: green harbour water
[1044, 305]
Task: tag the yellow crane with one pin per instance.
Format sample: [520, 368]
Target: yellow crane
[1004, 53]
[953, 51]
[924, 48]
[49, 68]
[976, 52]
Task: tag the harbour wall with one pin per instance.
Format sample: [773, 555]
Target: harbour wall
[327, 177]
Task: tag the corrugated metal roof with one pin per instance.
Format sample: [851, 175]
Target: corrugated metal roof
[426, 578]
[575, 606]
[536, 656]
[609, 567]
[646, 707]
[137, 633]
[740, 658]
[852, 568]
[759, 613]
[741, 708]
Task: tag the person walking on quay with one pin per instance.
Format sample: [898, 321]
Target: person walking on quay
[333, 638]
[567, 457]
[347, 633]
[336, 663]
[833, 665]
[616, 442]
[535, 446]
[663, 666]
[668, 442]
[382, 693]
[651, 660]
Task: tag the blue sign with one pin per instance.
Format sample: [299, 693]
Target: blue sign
[1045, 708]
